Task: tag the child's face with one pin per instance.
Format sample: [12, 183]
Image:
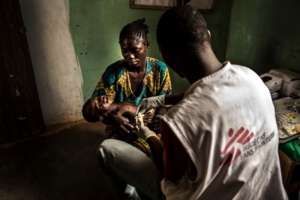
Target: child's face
[101, 105]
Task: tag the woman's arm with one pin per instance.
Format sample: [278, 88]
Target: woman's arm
[120, 122]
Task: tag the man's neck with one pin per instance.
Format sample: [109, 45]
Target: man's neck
[204, 64]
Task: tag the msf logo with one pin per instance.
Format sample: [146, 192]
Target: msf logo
[242, 136]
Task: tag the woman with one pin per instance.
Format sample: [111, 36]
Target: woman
[132, 79]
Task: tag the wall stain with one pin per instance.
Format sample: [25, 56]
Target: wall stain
[17, 92]
[295, 53]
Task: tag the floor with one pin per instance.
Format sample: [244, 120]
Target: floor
[59, 164]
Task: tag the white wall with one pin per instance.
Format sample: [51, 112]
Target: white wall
[57, 72]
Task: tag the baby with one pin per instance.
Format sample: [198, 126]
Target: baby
[102, 107]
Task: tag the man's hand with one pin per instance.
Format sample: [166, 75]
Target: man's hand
[150, 102]
[143, 131]
[121, 123]
[155, 125]
[148, 117]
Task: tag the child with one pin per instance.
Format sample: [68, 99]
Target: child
[102, 108]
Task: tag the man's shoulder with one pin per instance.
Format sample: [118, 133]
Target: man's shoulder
[243, 69]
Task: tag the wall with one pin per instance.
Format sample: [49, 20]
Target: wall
[73, 41]
[218, 23]
[95, 27]
[56, 70]
[264, 34]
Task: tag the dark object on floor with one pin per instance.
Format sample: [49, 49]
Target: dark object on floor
[294, 196]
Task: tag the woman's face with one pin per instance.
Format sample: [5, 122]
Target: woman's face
[134, 51]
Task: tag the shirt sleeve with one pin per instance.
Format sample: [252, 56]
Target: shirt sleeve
[106, 85]
[174, 156]
[165, 85]
[101, 89]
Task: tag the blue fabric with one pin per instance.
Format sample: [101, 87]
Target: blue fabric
[115, 82]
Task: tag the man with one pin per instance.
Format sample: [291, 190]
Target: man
[220, 141]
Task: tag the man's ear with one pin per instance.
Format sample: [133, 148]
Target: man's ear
[209, 34]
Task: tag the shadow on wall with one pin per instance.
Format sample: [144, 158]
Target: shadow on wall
[266, 36]
[57, 72]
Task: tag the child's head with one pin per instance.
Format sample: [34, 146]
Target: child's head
[96, 108]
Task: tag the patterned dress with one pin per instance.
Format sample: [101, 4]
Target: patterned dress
[115, 82]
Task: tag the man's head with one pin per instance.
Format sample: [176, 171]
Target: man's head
[96, 108]
[182, 29]
[134, 43]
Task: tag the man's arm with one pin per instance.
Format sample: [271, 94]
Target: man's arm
[156, 147]
[158, 101]
[169, 99]
[175, 158]
[172, 99]
[168, 153]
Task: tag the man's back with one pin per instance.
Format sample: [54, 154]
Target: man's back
[226, 123]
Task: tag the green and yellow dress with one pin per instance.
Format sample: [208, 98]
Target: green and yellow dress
[115, 82]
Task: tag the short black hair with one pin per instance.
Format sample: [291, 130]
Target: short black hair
[87, 111]
[137, 28]
[182, 28]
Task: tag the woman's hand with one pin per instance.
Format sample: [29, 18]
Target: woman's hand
[121, 123]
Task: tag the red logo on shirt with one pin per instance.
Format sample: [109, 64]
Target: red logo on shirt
[242, 136]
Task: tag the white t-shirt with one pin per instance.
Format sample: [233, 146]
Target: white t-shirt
[226, 123]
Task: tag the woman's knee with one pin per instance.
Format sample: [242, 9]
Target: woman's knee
[103, 152]
[110, 150]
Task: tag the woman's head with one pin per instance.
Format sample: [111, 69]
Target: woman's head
[134, 43]
[137, 29]
[96, 108]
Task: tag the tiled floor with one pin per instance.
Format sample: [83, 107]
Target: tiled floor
[59, 164]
